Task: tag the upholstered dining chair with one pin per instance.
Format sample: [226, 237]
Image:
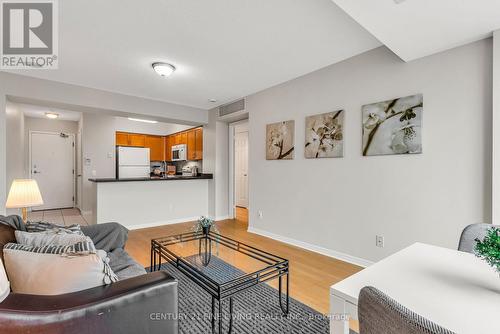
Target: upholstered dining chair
[469, 235]
[380, 314]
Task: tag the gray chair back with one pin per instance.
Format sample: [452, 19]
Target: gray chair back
[469, 235]
[380, 314]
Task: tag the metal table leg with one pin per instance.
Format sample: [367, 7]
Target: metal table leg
[220, 316]
[286, 309]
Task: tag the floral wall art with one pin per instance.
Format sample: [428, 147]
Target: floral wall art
[393, 126]
[325, 135]
[280, 140]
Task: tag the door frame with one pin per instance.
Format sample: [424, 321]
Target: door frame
[30, 151]
[232, 184]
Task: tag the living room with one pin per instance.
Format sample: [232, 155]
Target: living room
[323, 203]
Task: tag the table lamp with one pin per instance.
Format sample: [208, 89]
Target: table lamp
[24, 193]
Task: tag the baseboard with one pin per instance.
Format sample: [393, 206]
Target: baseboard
[162, 223]
[222, 217]
[313, 248]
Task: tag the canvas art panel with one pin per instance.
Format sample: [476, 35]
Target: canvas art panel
[393, 126]
[280, 139]
[325, 135]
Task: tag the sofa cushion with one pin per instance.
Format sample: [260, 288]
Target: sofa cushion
[6, 236]
[53, 270]
[46, 226]
[123, 265]
[45, 238]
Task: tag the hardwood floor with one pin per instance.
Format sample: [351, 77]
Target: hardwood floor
[311, 274]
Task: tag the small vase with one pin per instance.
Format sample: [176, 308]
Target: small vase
[206, 230]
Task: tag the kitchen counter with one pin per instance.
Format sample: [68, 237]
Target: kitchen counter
[140, 202]
[174, 178]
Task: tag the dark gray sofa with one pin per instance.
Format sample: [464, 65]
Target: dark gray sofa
[139, 302]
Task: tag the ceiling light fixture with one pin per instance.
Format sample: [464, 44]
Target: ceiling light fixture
[142, 120]
[212, 100]
[163, 69]
[51, 115]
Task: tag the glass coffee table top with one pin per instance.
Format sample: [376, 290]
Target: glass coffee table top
[218, 258]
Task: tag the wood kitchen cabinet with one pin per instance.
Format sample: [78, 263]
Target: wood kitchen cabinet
[121, 139]
[136, 140]
[195, 144]
[199, 143]
[130, 139]
[191, 145]
[156, 145]
[168, 148]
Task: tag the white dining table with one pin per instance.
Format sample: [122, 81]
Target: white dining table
[454, 289]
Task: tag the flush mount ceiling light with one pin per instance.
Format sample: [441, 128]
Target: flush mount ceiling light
[163, 69]
[51, 115]
[142, 120]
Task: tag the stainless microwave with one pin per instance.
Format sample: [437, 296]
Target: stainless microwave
[179, 152]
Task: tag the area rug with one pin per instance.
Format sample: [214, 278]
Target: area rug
[256, 311]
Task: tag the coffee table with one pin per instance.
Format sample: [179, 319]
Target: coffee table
[222, 266]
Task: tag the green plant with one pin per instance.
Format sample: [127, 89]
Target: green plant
[205, 222]
[488, 249]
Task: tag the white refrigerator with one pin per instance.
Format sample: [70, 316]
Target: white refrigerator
[132, 162]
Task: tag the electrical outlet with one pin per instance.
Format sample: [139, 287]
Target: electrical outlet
[170, 207]
[261, 215]
[379, 241]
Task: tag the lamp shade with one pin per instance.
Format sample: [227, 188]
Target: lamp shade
[24, 193]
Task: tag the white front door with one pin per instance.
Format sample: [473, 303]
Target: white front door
[52, 166]
[241, 168]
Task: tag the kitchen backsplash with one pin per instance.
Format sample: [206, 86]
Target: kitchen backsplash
[178, 165]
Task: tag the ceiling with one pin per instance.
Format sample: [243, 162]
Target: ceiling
[223, 49]
[418, 28]
[30, 110]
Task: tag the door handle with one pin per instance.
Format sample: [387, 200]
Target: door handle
[36, 172]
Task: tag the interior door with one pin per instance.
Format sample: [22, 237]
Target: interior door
[241, 169]
[52, 166]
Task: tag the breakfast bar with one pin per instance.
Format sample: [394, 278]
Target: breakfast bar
[147, 202]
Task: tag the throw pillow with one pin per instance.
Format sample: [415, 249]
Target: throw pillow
[46, 226]
[4, 283]
[54, 270]
[6, 236]
[50, 237]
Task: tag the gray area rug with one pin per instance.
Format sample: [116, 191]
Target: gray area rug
[256, 311]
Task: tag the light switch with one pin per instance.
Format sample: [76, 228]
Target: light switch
[110, 155]
[94, 173]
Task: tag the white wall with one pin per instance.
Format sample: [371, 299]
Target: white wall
[215, 161]
[98, 145]
[496, 130]
[3, 154]
[339, 205]
[15, 133]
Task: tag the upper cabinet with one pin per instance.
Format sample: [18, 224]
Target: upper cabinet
[156, 145]
[161, 146]
[121, 139]
[195, 144]
[199, 143]
[130, 139]
[169, 141]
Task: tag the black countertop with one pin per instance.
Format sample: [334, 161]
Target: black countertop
[175, 178]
